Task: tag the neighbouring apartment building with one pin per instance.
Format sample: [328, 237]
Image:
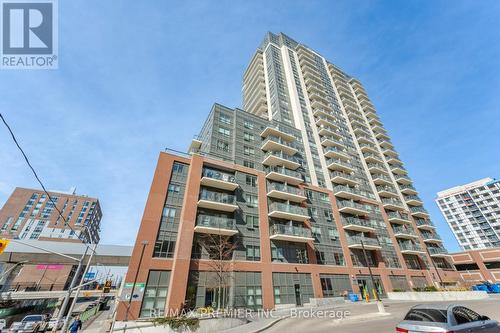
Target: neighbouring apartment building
[29, 214]
[292, 198]
[473, 213]
[476, 266]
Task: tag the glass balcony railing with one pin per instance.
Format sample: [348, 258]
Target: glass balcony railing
[280, 141]
[357, 222]
[216, 222]
[410, 188]
[400, 178]
[353, 191]
[218, 197]
[392, 201]
[344, 164]
[285, 171]
[282, 156]
[354, 240]
[386, 189]
[335, 151]
[350, 204]
[412, 198]
[410, 247]
[403, 230]
[398, 215]
[286, 188]
[334, 174]
[215, 174]
[430, 235]
[278, 206]
[437, 250]
[419, 210]
[422, 222]
[281, 229]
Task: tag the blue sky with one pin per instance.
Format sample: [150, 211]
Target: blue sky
[135, 77]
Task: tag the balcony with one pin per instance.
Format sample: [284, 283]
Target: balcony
[413, 200]
[217, 201]
[275, 143]
[368, 148]
[339, 165]
[398, 169]
[431, 237]
[351, 207]
[398, 217]
[334, 152]
[424, 224]
[393, 160]
[385, 143]
[393, 204]
[381, 135]
[411, 248]
[404, 232]
[408, 189]
[347, 192]
[373, 158]
[357, 242]
[389, 152]
[217, 179]
[216, 225]
[327, 130]
[288, 212]
[419, 212]
[402, 179]
[331, 141]
[387, 191]
[278, 131]
[438, 252]
[285, 192]
[376, 168]
[353, 223]
[273, 158]
[290, 233]
[282, 174]
[380, 179]
[364, 139]
[343, 178]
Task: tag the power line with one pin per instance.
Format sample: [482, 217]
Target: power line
[38, 179]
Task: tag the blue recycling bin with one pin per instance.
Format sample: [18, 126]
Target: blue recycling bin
[353, 297]
[480, 287]
[495, 288]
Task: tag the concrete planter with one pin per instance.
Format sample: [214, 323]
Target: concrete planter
[207, 325]
[437, 295]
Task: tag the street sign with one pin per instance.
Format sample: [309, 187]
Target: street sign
[3, 244]
[90, 275]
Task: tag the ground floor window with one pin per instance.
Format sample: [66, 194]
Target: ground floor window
[335, 285]
[155, 294]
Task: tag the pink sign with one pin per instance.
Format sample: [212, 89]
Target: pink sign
[49, 267]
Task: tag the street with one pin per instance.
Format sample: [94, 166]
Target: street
[386, 324]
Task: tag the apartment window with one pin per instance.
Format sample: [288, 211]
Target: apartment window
[164, 248]
[248, 136]
[248, 124]
[254, 297]
[332, 234]
[225, 119]
[324, 197]
[320, 258]
[172, 188]
[222, 145]
[252, 221]
[224, 131]
[251, 180]
[253, 252]
[249, 164]
[251, 200]
[168, 214]
[248, 151]
[178, 168]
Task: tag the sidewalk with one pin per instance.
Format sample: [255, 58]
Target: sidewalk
[99, 323]
[357, 311]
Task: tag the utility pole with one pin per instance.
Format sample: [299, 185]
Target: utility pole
[66, 321]
[144, 243]
[380, 306]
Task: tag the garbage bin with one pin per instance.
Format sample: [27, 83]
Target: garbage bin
[353, 297]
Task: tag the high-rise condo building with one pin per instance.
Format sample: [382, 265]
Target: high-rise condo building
[473, 213]
[292, 198]
[29, 214]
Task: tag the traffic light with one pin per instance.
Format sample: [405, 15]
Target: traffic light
[3, 244]
[107, 286]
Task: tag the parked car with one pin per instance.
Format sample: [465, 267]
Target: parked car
[3, 324]
[446, 319]
[52, 323]
[30, 324]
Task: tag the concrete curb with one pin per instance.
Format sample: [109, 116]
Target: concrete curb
[373, 315]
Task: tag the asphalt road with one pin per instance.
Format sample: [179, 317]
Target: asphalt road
[489, 307]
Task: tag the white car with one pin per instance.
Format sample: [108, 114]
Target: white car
[3, 324]
[52, 324]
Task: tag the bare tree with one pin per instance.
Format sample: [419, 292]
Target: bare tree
[220, 249]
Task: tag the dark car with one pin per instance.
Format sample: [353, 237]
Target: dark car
[436, 318]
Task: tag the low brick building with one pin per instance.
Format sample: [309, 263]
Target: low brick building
[478, 265]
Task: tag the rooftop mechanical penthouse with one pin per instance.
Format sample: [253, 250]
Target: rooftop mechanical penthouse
[274, 204]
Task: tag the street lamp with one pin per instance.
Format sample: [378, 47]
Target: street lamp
[380, 306]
